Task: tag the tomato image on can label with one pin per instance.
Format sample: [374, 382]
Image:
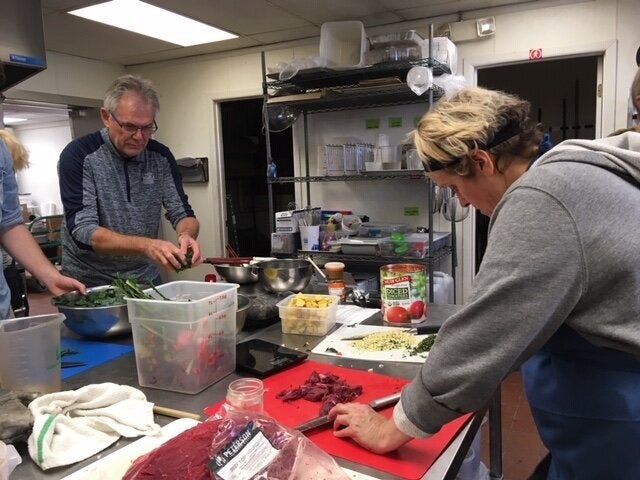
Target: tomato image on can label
[403, 292]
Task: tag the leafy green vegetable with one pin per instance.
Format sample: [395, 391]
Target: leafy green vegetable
[187, 264]
[130, 288]
[101, 298]
[424, 345]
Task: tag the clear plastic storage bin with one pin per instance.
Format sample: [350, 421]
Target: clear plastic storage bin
[189, 342]
[306, 319]
[414, 245]
[378, 230]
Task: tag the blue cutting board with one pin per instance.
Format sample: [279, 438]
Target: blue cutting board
[91, 352]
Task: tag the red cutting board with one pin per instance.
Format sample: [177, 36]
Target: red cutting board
[410, 461]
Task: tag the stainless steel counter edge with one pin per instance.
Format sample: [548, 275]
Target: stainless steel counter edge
[122, 370]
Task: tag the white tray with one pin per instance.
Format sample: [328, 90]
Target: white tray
[345, 349]
[116, 464]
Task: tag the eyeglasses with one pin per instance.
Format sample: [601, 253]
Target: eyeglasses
[132, 129]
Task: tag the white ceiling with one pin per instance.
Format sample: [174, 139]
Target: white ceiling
[258, 24]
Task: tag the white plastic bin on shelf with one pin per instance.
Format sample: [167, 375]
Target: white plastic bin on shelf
[343, 44]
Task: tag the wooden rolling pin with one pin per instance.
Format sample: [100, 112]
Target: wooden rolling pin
[171, 412]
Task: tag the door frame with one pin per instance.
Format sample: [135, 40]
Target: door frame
[605, 122]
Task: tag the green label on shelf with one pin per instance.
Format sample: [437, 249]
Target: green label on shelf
[372, 123]
[411, 211]
[395, 122]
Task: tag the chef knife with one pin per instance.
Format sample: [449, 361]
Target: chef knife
[376, 404]
[422, 330]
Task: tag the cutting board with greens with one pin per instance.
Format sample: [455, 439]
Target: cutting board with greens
[376, 343]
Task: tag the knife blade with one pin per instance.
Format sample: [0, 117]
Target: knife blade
[422, 330]
[376, 404]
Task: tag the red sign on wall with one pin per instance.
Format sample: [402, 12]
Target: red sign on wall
[535, 54]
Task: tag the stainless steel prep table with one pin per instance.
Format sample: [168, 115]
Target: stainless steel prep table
[122, 370]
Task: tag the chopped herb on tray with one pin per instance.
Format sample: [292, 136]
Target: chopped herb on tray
[424, 345]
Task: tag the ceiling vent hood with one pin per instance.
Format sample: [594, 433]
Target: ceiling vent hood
[22, 52]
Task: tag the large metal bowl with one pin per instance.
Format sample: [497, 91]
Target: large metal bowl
[96, 322]
[241, 274]
[244, 303]
[284, 275]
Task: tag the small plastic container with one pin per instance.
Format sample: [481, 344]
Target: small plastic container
[335, 270]
[9, 460]
[30, 353]
[407, 38]
[246, 394]
[343, 44]
[308, 320]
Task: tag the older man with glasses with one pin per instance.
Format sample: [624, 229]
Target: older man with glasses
[114, 184]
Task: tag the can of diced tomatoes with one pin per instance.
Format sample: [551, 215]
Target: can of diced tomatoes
[403, 293]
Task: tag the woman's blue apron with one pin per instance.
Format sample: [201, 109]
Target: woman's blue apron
[585, 401]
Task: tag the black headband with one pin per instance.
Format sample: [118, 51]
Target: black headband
[505, 133]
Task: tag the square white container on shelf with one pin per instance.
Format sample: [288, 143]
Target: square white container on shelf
[308, 320]
[343, 44]
[189, 342]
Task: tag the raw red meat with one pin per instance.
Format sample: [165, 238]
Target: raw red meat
[327, 388]
[184, 456]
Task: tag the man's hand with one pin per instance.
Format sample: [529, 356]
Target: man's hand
[186, 243]
[165, 254]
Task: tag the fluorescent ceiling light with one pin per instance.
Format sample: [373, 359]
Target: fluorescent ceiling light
[152, 21]
[10, 120]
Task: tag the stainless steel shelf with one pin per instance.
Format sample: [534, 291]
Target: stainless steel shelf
[378, 259]
[371, 176]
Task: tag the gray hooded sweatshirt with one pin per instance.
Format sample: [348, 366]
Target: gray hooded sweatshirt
[563, 248]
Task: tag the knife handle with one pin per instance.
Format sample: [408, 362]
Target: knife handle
[425, 329]
[385, 401]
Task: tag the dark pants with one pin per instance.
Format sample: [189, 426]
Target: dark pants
[16, 282]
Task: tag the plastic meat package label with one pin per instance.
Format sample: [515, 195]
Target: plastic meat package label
[251, 446]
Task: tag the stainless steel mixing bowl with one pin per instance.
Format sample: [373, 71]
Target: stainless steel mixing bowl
[96, 322]
[244, 303]
[284, 275]
[241, 274]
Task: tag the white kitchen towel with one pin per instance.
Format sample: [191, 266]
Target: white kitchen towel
[73, 425]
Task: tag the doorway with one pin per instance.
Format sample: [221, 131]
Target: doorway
[245, 172]
[563, 96]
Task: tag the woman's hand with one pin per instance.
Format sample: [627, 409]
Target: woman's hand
[366, 427]
[59, 284]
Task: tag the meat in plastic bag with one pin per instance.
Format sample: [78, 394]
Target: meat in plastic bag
[254, 446]
[237, 445]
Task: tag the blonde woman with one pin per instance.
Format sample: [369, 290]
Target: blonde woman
[14, 236]
[557, 294]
